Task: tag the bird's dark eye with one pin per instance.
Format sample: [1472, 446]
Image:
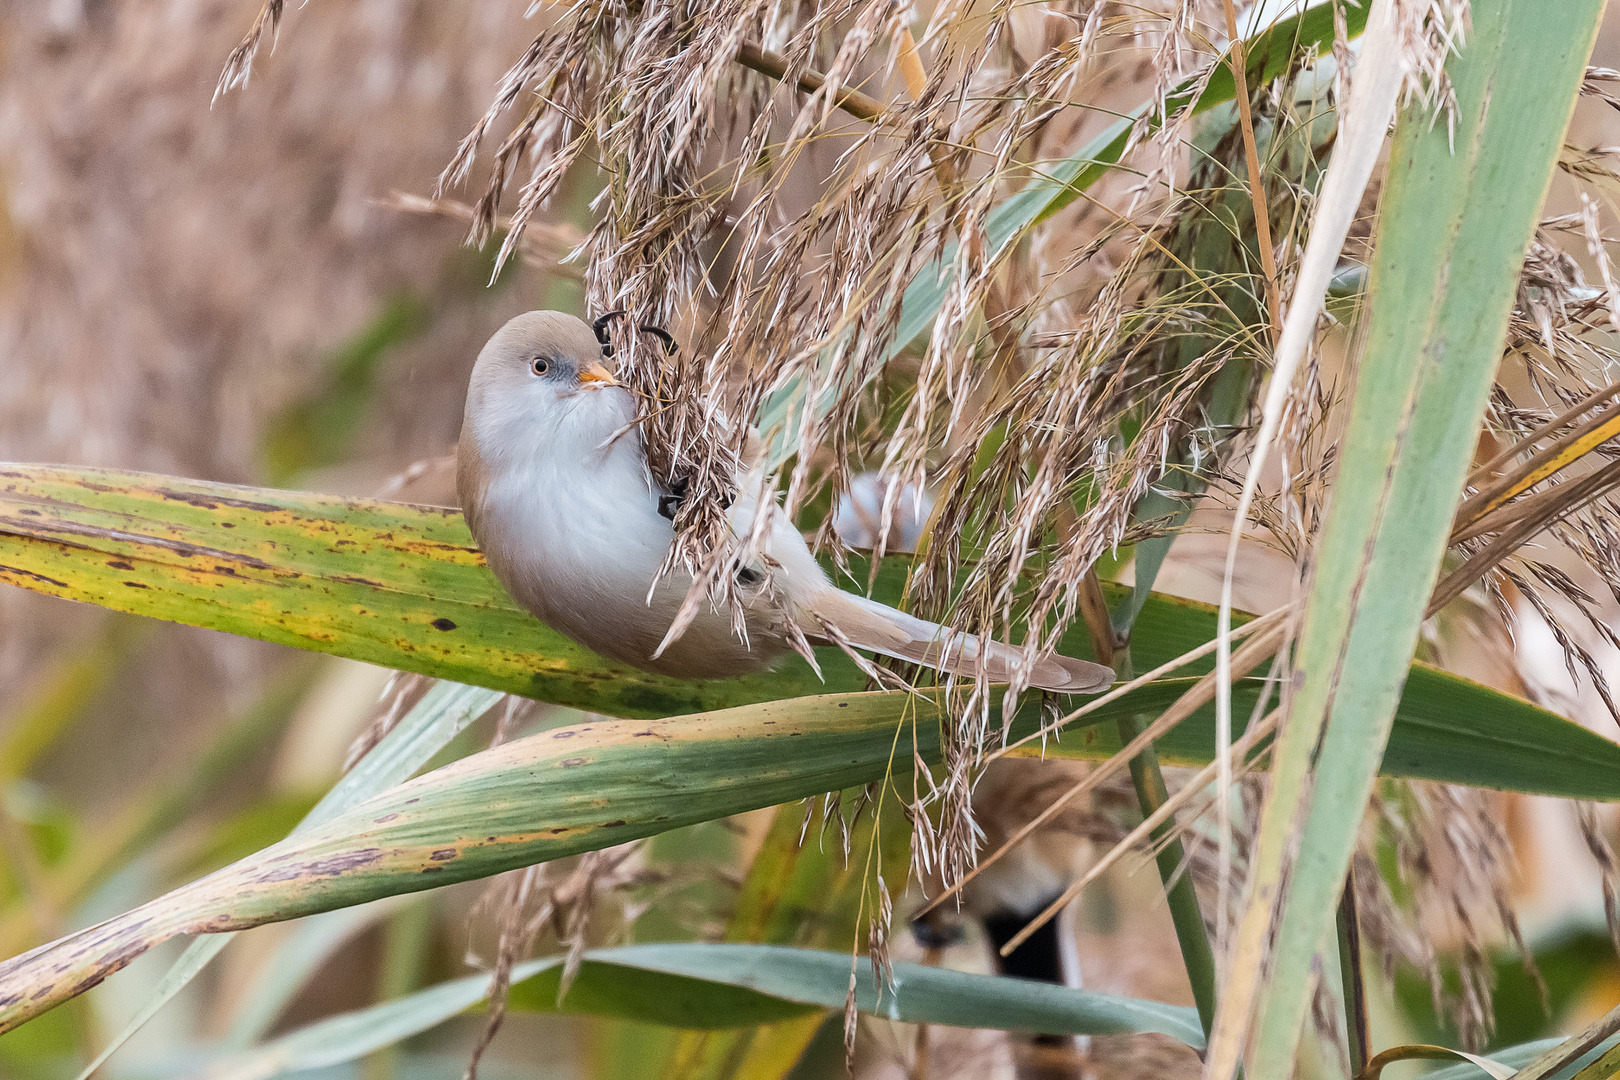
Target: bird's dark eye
[541, 365]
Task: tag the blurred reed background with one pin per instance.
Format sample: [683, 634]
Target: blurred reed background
[217, 291]
[233, 291]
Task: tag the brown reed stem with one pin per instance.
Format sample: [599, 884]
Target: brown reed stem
[1257, 187]
[775, 65]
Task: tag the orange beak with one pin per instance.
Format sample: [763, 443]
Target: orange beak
[598, 375]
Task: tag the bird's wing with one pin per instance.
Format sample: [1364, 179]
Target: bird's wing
[870, 625]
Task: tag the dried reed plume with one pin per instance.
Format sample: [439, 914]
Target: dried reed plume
[786, 187]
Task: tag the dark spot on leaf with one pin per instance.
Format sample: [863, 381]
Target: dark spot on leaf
[432, 869]
[385, 819]
[30, 574]
[227, 524]
[137, 585]
[120, 564]
[612, 824]
[564, 735]
[442, 623]
[214, 502]
[180, 547]
[569, 763]
[332, 866]
[444, 853]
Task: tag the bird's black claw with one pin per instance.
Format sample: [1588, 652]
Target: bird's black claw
[669, 504]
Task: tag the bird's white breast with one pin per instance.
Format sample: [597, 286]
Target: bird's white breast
[569, 522]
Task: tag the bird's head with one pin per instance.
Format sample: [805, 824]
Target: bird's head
[541, 377]
[542, 356]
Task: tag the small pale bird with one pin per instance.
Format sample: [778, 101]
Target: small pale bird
[554, 481]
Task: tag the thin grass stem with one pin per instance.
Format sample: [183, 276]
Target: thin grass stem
[1355, 991]
[1196, 952]
[1257, 184]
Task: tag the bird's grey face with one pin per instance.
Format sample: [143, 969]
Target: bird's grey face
[544, 355]
[541, 377]
[562, 375]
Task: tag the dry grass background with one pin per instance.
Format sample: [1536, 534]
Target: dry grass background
[177, 279]
[177, 276]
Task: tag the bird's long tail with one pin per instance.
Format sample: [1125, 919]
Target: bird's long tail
[867, 624]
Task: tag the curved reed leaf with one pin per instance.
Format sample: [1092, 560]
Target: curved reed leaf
[387, 583]
[718, 987]
[1424, 1052]
[1459, 208]
[372, 581]
[1520, 1056]
[442, 714]
[556, 793]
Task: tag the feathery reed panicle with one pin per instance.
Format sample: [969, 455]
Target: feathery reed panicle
[239, 65]
[1146, 391]
[700, 227]
[778, 239]
[819, 201]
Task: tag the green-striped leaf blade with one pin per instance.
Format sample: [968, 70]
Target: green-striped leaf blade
[371, 580]
[722, 986]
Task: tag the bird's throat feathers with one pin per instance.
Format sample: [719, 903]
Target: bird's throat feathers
[507, 441]
[579, 430]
